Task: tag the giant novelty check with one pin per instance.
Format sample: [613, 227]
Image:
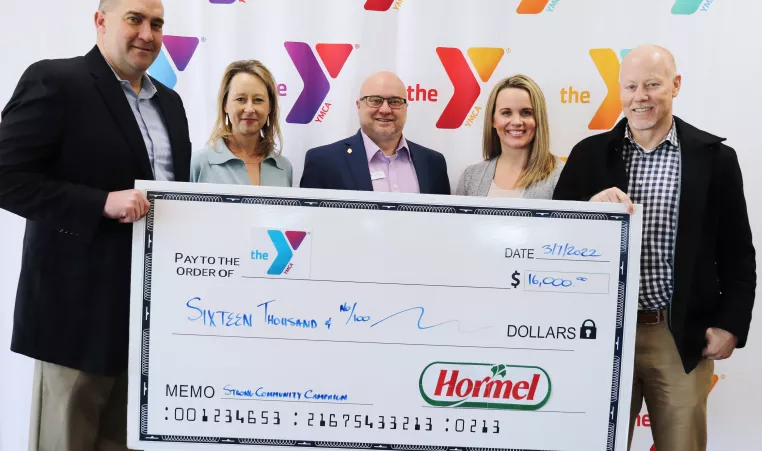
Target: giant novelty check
[286, 318]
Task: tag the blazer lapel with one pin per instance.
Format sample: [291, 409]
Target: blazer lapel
[421, 167]
[115, 101]
[615, 169]
[358, 163]
[695, 176]
[179, 163]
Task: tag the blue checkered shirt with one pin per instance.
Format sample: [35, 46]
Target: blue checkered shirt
[654, 182]
[147, 111]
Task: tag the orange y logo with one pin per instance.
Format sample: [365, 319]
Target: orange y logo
[531, 6]
[607, 63]
[537, 6]
[715, 379]
[466, 88]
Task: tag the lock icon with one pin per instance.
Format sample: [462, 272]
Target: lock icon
[588, 331]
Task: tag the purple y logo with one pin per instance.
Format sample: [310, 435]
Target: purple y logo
[316, 84]
[181, 50]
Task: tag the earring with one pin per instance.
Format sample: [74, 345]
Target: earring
[227, 120]
[268, 121]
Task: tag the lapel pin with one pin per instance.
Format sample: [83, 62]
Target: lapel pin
[349, 150]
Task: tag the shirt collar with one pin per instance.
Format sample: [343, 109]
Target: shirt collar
[372, 149]
[222, 155]
[671, 136]
[148, 89]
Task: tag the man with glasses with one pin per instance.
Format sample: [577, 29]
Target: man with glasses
[378, 157]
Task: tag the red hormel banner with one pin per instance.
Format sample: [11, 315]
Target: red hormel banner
[485, 385]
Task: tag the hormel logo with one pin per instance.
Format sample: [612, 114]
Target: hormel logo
[485, 385]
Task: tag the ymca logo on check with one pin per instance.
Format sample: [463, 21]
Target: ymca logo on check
[279, 253]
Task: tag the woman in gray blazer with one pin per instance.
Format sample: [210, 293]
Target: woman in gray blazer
[515, 145]
[242, 149]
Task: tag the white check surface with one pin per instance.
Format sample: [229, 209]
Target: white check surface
[409, 323]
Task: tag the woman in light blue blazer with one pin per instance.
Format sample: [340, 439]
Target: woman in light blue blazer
[515, 144]
[241, 149]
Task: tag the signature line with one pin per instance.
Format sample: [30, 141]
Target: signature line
[370, 342]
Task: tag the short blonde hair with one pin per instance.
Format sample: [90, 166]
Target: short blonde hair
[221, 127]
[541, 162]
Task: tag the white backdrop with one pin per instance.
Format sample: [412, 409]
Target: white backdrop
[716, 47]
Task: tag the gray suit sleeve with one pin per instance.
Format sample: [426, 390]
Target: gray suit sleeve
[465, 178]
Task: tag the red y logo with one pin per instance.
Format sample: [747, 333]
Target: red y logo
[378, 5]
[467, 89]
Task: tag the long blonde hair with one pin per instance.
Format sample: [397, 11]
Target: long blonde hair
[222, 129]
[541, 162]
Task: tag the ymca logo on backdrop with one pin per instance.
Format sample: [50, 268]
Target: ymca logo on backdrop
[466, 87]
[536, 6]
[680, 7]
[316, 85]
[607, 63]
[279, 253]
[225, 2]
[382, 5]
[688, 7]
[180, 50]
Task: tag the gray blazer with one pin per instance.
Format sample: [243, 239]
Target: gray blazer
[477, 179]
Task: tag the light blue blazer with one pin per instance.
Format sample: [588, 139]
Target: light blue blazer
[217, 164]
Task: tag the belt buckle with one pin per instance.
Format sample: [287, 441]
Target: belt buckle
[658, 314]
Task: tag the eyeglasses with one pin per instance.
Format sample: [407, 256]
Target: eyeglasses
[394, 103]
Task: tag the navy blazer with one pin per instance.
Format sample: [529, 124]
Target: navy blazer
[332, 167]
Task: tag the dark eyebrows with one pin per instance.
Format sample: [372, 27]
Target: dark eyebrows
[155, 21]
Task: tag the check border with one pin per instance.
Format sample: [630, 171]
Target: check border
[153, 196]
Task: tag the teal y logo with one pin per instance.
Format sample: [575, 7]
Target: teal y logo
[285, 245]
[180, 49]
[688, 7]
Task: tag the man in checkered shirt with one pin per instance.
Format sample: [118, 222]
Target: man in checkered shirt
[698, 268]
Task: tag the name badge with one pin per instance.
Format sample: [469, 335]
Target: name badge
[377, 175]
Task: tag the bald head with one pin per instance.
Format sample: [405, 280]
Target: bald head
[386, 82]
[107, 5]
[653, 57]
[648, 82]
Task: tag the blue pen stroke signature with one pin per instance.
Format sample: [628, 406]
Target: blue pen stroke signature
[422, 327]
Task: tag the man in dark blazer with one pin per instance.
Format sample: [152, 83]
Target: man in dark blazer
[378, 157]
[74, 137]
[698, 268]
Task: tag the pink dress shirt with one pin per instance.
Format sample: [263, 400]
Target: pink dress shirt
[394, 174]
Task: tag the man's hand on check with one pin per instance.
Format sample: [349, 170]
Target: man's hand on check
[614, 195]
[127, 206]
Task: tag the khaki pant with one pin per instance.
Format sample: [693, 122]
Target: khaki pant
[676, 401]
[77, 411]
